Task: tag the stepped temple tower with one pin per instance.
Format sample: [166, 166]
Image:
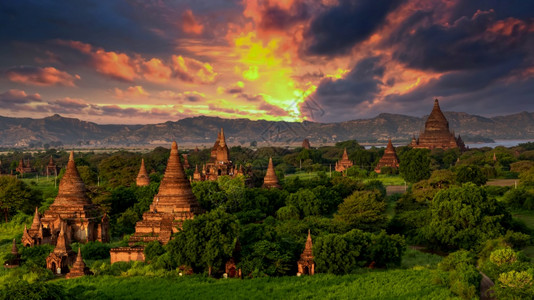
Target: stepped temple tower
[83, 220]
[306, 144]
[344, 163]
[51, 168]
[306, 266]
[389, 159]
[270, 180]
[437, 133]
[62, 256]
[219, 163]
[142, 177]
[174, 203]
[78, 268]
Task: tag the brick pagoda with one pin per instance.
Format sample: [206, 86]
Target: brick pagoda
[437, 133]
[389, 159]
[142, 176]
[62, 256]
[270, 180]
[83, 220]
[306, 144]
[344, 163]
[306, 265]
[78, 268]
[174, 203]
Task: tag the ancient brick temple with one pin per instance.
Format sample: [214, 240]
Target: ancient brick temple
[306, 144]
[142, 176]
[220, 163]
[306, 265]
[78, 268]
[389, 159]
[24, 167]
[51, 168]
[59, 260]
[174, 203]
[270, 180]
[82, 219]
[437, 133]
[344, 163]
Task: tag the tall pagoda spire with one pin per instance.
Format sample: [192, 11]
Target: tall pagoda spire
[345, 156]
[270, 180]
[72, 190]
[36, 223]
[142, 177]
[436, 120]
[222, 141]
[175, 191]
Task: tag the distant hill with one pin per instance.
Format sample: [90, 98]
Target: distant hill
[54, 130]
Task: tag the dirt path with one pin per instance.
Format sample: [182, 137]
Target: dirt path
[485, 285]
[395, 189]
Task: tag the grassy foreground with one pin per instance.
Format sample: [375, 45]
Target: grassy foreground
[393, 284]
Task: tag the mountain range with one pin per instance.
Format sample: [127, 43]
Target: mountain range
[202, 131]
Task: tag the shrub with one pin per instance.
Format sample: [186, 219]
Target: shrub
[21, 290]
[458, 272]
[514, 285]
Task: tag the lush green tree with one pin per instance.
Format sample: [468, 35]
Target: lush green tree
[470, 174]
[363, 210]
[15, 196]
[207, 240]
[208, 194]
[120, 169]
[414, 165]
[306, 202]
[288, 213]
[464, 217]
[153, 250]
[459, 273]
[343, 253]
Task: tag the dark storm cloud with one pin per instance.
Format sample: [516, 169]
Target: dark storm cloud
[340, 98]
[467, 43]
[138, 26]
[340, 27]
[274, 17]
[503, 9]
[475, 91]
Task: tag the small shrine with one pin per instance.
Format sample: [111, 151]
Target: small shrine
[389, 159]
[306, 265]
[344, 163]
[79, 268]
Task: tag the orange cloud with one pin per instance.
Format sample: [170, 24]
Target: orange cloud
[131, 92]
[155, 71]
[48, 76]
[116, 65]
[192, 70]
[190, 24]
[123, 67]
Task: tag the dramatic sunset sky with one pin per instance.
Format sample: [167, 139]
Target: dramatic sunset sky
[151, 61]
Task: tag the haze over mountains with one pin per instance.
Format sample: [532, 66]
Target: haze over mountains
[24, 132]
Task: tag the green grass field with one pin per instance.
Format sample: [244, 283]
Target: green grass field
[392, 284]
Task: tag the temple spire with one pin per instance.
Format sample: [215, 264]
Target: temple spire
[62, 245]
[222, 141]
[270, 180]
[142, 176]
[36, 220]
[345, 156]
[72, 190]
